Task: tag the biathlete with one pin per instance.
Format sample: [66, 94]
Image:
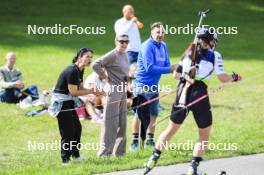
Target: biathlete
[208, 61]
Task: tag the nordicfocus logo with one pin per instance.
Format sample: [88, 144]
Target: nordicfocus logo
[56, 145]
[59, 29]
[189, 145]
[189, 29]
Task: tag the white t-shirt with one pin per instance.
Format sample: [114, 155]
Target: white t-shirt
[219, 67]
[206, 68]
[92, 81]
[129, 27]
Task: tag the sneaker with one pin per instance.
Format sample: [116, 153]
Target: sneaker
[192, 170]
[149, 144]
[80, 158]
[133, 147]
[26, 103]
[151, 163]
[98, 112]
[97, 119]
[100, 119]
[43, 100]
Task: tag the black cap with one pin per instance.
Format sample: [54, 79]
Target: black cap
[207, 36]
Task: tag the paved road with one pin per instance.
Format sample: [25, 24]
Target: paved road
[242, 165]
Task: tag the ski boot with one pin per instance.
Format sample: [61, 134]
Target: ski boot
[151, 163]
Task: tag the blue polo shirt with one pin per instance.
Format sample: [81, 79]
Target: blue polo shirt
[153, 60]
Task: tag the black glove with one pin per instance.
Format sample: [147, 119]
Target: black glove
[236, 77]
[178, 68]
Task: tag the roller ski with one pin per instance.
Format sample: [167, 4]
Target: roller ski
[194, 170]
[199, 172]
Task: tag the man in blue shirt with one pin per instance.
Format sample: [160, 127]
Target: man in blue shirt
[153, 61]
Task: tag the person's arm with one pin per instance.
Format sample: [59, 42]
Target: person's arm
[3, 83]
[6, 85]
[149, 63]
[101, 63]
[74, 91]
[219, 70]
[77, 89]
[224, 78]
[81, 85]
[178, 71]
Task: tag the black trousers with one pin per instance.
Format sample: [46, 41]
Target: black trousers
[70, 131]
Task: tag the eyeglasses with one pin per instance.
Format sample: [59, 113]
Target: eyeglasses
[123, 41]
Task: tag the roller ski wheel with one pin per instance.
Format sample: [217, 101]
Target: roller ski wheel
[222, 173]
[195, 171]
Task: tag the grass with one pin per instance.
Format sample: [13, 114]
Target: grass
[237, 108]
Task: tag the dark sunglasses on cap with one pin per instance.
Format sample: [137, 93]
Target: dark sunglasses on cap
[123, 41]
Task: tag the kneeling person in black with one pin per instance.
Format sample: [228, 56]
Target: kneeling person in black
[65, 99]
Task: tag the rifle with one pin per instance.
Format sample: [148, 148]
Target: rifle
[189, 65]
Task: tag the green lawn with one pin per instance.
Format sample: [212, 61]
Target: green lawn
[237, 108]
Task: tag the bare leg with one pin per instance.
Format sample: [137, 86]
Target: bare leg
[135, 125]
[135, 134]
[129, 103]
[199, 150]
[90, 109]
[166, 135]
[161, 144]
[202, 144]
[152, 126]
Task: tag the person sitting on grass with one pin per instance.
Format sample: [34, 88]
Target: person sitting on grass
[93, 103]
[11, 85]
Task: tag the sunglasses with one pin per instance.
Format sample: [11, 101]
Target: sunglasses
[123, 41]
